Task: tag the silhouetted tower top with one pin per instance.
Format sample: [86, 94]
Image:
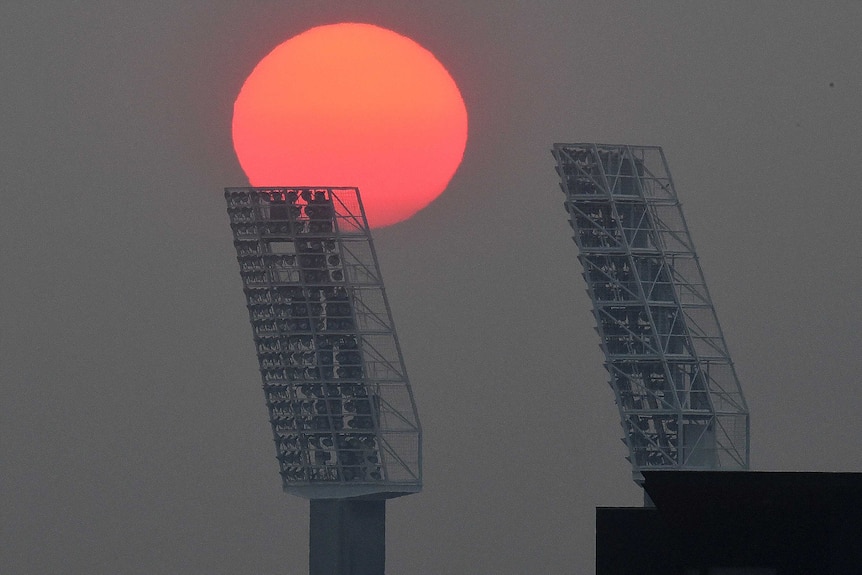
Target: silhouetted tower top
[343, 417]
[680, 402]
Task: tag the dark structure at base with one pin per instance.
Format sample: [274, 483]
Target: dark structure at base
[347, 537]
[736, 523]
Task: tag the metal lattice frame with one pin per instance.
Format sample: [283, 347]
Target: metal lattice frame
[342, 411]
[680, 401]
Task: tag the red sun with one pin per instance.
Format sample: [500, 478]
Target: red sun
[353, 105]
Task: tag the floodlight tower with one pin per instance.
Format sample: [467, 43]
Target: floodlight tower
[679, 399]
[343, 417]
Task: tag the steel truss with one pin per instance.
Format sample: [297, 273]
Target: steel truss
[342, 411]
[679, 399]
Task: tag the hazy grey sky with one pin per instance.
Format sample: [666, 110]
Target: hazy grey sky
[134, 436]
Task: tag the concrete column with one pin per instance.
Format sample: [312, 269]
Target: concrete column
[347, 537]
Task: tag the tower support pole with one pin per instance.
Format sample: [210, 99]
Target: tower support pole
[347, 537]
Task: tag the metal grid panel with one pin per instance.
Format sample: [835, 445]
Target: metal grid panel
[341, 407]
[680, 402]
